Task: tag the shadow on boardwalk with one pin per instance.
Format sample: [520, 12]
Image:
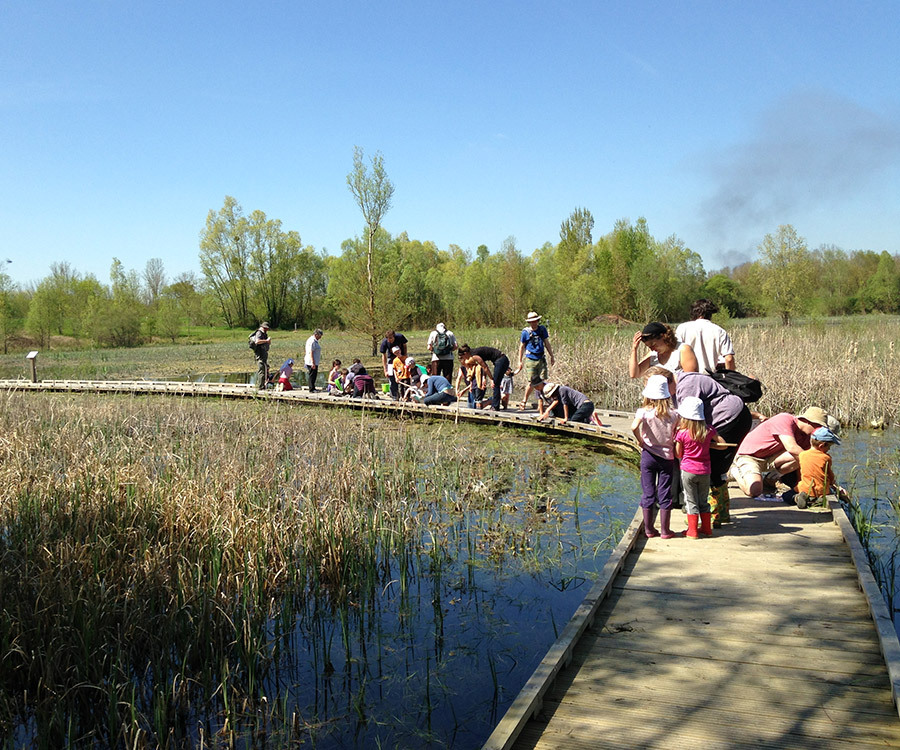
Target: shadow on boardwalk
[758, 637]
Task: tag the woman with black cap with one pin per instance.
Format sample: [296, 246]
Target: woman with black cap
[665, 350]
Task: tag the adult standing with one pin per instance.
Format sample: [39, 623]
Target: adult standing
[731, 418]
[312, 357]
[259, 342]
[665, 350]
[775, 445]
[711, 343]
[390, 340]
[533, 343]
[442, 344]
[500, 364]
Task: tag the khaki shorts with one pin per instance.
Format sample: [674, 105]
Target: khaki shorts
[534, 367]
[744, 466]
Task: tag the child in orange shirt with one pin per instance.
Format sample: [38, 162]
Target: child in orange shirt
[401, 373]
[816, 476]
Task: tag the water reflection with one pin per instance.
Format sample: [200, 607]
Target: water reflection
[868, 464]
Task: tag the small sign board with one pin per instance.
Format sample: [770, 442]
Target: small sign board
[31, 355]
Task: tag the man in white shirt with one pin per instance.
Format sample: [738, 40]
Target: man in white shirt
[711, 344]
[312, 357]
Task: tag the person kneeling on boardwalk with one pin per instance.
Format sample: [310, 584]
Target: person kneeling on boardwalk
[284, 376]
[692, 443]
[576, 407]
[775, 446]
[654, 428]
[437, 390]
[816, 475]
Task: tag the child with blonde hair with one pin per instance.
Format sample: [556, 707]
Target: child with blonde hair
[654, 428]
[692, 443]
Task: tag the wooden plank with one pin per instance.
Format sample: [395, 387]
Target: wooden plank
[881, 617]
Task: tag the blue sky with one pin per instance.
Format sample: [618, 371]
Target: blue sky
[123, 124]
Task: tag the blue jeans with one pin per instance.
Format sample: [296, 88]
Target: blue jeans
[439, 398]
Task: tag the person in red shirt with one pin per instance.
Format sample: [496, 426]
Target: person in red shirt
[775, 445]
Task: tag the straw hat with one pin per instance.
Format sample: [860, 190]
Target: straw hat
[532, 317]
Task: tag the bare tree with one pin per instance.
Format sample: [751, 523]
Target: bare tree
[154, 280]
[372, 192]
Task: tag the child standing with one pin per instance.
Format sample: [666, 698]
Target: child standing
[816, 475]
[654, 427]
[401, 373]
[506, 388]
[692, 442]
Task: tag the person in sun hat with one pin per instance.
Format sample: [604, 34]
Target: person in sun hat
[259, 343]
[442, 344]
[563, 402]
[533, 344]
[775, 445]
[816, 475]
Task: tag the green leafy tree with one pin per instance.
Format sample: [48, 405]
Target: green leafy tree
[373, 192]
[787, 268]
[881, 291]
[225, 262]
[361, 277]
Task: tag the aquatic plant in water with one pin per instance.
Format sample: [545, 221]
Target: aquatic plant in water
[202, 572]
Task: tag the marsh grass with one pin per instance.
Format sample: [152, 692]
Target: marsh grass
[849, 366]
[159, 559]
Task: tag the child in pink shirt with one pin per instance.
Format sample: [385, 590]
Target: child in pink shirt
[692, 443]
[654, 428]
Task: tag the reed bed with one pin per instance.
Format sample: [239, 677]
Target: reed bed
[846, 365]
[849, 368]
[157, 557]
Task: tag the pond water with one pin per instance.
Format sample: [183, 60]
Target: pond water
[436, 656]
[867, 464]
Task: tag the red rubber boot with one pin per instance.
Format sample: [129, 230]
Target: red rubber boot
[706, 524]
[692, 532]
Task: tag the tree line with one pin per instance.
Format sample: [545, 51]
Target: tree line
[253, 269]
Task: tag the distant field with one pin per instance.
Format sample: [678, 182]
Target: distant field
[847, 365]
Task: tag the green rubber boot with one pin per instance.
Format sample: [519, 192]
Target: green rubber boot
[718, 505]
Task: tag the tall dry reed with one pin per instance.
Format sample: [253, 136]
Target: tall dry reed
[850, 367]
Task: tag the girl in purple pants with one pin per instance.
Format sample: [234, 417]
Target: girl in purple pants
[654, 427]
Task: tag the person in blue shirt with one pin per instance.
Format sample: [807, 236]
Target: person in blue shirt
[438, 391]
[533, 342]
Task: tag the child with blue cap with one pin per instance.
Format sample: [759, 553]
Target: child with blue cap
[816, 475]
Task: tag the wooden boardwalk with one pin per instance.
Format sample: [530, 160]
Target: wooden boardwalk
[760, 637]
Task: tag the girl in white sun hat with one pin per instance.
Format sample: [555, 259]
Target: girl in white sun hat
[692, 444]
[654, 427]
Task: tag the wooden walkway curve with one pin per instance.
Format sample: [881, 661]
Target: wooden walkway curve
[772, 634]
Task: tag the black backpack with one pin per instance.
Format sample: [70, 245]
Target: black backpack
[749, 389]
[251, 341]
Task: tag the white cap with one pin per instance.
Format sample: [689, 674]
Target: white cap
[691, 407]
[410, 360]
[440, 328]
[657, 388]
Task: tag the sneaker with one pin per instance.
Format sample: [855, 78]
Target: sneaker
[788, 496]
[802, 499]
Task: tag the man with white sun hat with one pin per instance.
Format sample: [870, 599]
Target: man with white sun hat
[533, 343]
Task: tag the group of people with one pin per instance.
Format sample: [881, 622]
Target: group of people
[693, 427]
[691, 415]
